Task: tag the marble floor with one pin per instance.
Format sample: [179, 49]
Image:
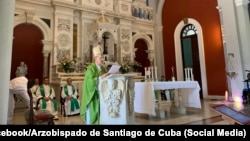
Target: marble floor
[193, 116]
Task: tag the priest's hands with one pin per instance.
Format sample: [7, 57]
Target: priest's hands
[68, 97]
[105, 75]
[46, 98]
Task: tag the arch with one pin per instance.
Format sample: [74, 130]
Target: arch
[178, 54]
[36, 21]
[47, 36]
[159, 12]
[22, 43]
[145, 38]
[110, 31]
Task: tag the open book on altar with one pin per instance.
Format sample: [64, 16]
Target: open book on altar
[114, 69]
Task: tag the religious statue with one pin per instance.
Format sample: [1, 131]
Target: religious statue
[22, 69]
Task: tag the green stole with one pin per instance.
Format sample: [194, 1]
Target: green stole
[44, 105]
[73, 102]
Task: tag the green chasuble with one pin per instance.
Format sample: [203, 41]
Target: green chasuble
[73, 101]
[44, 104]
[90, 95]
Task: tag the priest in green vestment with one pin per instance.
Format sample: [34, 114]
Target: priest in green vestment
[71, 103]
[90, 102]
[46, 94]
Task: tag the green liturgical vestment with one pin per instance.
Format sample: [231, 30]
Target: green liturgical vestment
[90, 95]
[73, 101]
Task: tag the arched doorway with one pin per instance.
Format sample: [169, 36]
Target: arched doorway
[190, 52]
[141, 55]
[28, 47]
[179, 57]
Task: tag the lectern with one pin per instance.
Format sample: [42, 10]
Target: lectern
[117, 99]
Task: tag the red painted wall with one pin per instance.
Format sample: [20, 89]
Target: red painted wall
[27, 47]
[207, 15]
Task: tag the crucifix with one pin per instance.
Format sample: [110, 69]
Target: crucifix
[105, 46]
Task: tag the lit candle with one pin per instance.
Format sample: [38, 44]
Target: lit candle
[155, 73]
[152, 73]
[185, 73]
[172, 70]
[188, 73]
[191, 72]
[226, 96]
[149, 75]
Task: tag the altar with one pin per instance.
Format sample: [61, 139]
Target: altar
[187, 95]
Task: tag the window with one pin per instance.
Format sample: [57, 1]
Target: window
[189, 30]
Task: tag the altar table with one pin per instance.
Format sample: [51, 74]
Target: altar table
[188, 94]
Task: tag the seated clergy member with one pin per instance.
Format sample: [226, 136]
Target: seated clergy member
[45, 95]
[72, 104]
[33, 91]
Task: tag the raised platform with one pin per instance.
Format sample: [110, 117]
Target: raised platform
[231, 115]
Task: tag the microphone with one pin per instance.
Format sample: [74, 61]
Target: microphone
[247, 70]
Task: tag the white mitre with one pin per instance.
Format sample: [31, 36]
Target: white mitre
[97, 51]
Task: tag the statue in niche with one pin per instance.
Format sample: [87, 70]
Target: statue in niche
[112, 96]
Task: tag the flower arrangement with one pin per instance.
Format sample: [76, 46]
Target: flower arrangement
[66, 64]
[124, 68]
[136, 66]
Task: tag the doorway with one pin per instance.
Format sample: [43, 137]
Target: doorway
[141, 55]
[190, 56]
[27, 47]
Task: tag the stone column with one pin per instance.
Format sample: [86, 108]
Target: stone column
[243, 17]
[47, 49]
[232, 43]
[45, 64]
[159, 58]
[7, 9]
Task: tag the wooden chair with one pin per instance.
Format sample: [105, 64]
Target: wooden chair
[36, 116]
[62, 101]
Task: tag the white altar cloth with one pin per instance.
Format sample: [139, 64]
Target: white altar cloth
[144, 101]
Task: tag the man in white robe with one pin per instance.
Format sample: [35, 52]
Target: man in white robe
[71, 104]
[18, 85]
[45, 95]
